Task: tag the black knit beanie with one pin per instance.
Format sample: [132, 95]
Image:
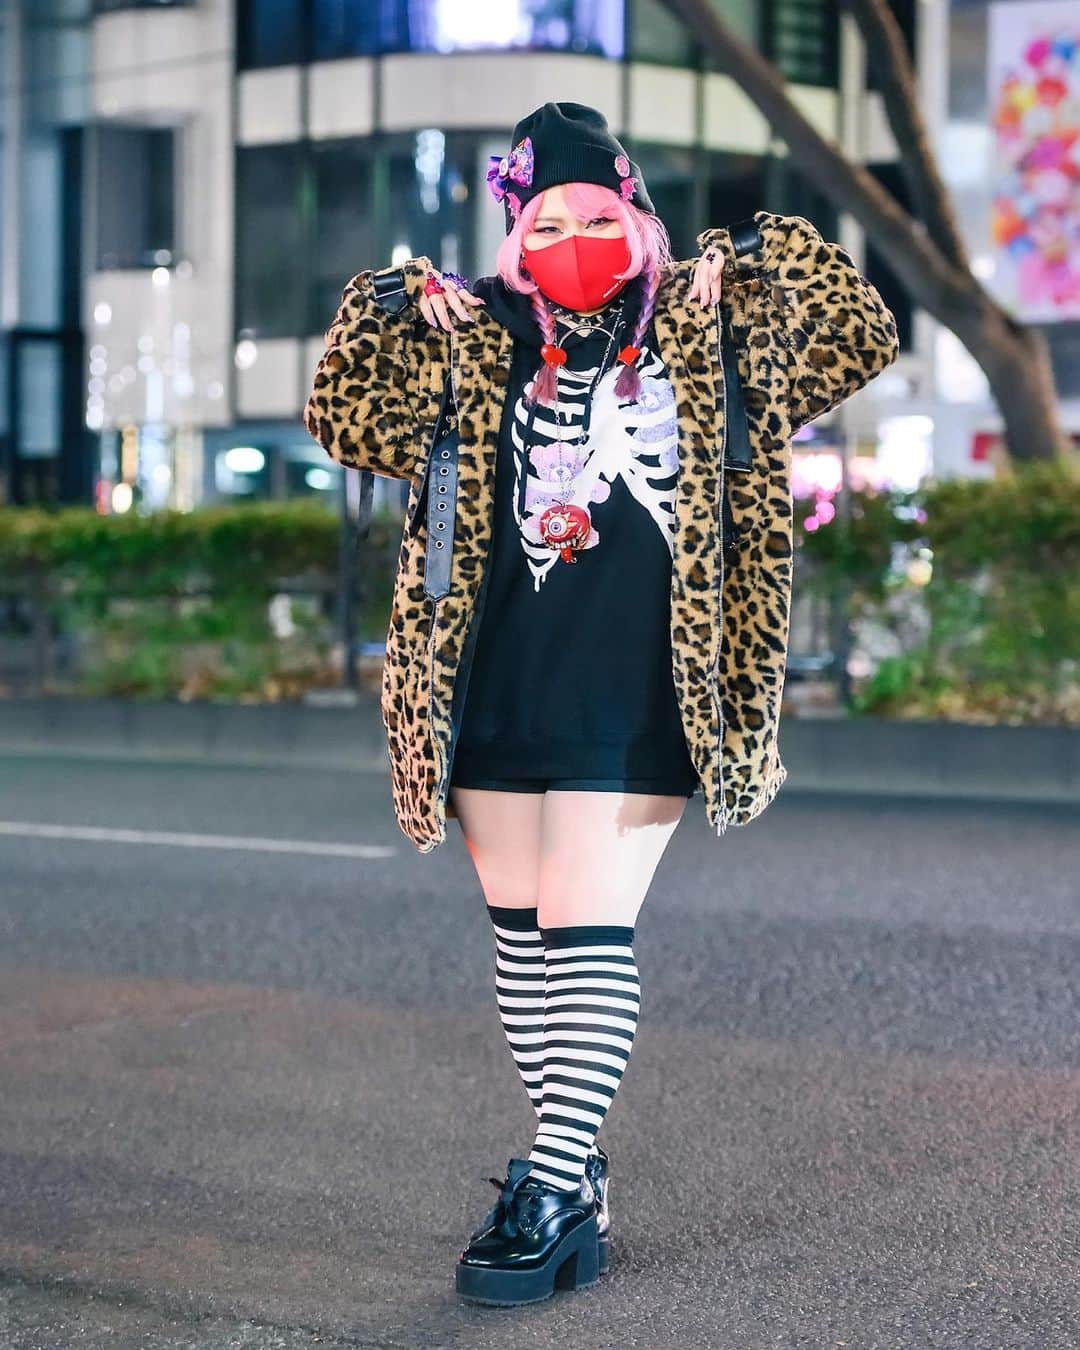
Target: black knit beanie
[563, 143]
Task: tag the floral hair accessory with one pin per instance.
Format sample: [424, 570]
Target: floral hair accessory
[627, 188]
[516, 167]
[622, 166]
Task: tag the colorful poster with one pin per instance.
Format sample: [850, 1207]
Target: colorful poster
[1034, 102]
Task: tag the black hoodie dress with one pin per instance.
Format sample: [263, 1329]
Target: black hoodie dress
[570, 677]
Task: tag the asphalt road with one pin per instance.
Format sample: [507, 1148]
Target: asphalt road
[249, 1095]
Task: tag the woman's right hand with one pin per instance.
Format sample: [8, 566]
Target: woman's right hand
[446, 310]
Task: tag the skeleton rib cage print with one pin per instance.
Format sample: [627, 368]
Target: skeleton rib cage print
[636, 442]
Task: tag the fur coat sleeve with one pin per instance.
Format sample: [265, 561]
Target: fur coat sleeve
[376, 389]
[837, 328]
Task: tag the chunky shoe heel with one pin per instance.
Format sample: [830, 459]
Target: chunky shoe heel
[582, 1269]
[596, 1169]
[538, 1239]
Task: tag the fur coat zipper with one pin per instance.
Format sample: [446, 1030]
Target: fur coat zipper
[809, 331]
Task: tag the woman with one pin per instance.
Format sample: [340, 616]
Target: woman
[613, 630]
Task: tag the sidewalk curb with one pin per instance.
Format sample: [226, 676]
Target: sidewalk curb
[866, 755]
[932, 759]
[200, 731]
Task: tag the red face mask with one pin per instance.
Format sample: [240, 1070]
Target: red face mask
[579, 272]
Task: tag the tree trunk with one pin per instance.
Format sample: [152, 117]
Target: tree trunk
[1014, 358]
[1016, 361]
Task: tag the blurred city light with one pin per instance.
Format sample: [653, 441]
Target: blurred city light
[477, 23]
[904, 449]
[246, 354]
[816, 471]
[244, 459]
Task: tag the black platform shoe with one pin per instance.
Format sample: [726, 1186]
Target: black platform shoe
[536, 1239]
[596, 1169]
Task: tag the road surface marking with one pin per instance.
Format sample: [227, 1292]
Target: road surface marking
[252, 843]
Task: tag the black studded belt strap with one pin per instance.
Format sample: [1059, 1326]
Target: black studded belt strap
[442, 474]
[737, 451]
[745, 238]
[437, 432]
[436, 500]
[441, 466]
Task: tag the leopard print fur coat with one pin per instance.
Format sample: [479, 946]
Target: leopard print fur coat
[809, 331]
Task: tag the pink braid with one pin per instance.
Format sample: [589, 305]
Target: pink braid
[545, 382]
[628, 385]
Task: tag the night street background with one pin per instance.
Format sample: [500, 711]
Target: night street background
[250, 1098]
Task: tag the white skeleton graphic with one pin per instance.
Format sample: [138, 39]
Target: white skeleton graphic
[635, 441]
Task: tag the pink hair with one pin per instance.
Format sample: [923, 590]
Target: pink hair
[650, 253]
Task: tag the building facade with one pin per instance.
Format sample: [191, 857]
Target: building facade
[188, 187]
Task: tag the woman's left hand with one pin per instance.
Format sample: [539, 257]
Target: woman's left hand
[707, 277]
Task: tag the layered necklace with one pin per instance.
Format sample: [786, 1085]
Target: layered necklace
[565, 526]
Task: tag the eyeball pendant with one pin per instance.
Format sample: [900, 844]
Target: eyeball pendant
[565, 527]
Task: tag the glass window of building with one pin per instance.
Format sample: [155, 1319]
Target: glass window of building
[802, 39]
[432, 196]
[791, 193]
[110, 6]
[656, 33]
[135, 168]
[346, 238]
[670, 173]
[736, 187]
[272, 32]
[344, 28]
[38, 412]
[877, 270]
[745, 18]
[1064, 340]
[272, 241]
[359, 27]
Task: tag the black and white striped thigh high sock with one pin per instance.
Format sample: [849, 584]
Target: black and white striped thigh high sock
[592, 996]
[519, 990]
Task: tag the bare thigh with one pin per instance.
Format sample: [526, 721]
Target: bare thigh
[599, 852]
[502, 834]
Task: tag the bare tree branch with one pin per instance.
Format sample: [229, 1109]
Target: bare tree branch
[929, 262]
[936, 283]
[888, 54]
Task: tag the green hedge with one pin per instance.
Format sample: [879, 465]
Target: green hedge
[976, 583]
[178, 604]
[968, 592]
[229, 548]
